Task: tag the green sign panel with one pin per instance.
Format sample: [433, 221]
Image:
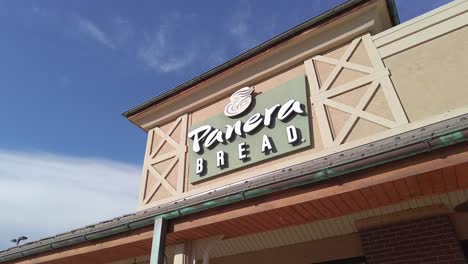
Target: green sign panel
[253, 128]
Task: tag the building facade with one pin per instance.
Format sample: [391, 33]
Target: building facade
[342, 140]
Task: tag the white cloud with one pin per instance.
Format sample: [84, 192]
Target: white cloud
[162, 51]
[41, 11]
[123, 30]
[93, 31]
[162, 48]
[239, 25]
[43, 194]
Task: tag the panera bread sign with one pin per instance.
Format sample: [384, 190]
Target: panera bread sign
[252, 128]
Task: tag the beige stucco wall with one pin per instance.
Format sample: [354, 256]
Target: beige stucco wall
[316, 251]
[415, 76]
[432, 78]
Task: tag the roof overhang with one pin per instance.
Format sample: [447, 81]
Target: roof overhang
[428, 142]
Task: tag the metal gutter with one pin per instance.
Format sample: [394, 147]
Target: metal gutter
[257, 50]
[422, 140]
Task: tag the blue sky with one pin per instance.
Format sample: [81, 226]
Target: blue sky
[68, 69]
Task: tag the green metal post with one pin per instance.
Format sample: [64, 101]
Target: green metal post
[159, 241]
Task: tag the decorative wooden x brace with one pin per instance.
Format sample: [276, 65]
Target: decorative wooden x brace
[377, 76]
[153, 156]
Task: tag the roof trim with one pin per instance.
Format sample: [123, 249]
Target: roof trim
[257, 50]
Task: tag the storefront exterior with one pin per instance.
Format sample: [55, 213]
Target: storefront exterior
[343, 140]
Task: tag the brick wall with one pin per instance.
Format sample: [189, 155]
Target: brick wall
[429, 240]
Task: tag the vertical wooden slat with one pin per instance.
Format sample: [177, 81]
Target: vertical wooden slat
[387, 87]
[357, 196]
[182, 153]
[324, 126]
[303, 212]
[251, 226]
[313, 210]
[425, 184]
[144, 176]
[402, 189]
[348, 199]
[462, 175]
[273, 218]
[391, 192]
[332, 208]
[370, 197]
[284, 219]
[228, 230]
[269, 221]
[450, 178]
[297, 216]
[342, 206]
[231, 225]
[253, 221]
[438, 181]
[322, 209]
[413, 186]
[381, 194]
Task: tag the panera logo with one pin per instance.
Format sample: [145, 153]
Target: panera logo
[240, 101]
[255, 136]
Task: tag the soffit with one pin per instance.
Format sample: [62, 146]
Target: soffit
[321, 230]
[388, 184]
[342, 198]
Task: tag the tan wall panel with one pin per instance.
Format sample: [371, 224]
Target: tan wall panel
[431, 78]
[164, 162]
[364, 128]
[379, 106]
[161, 193]
[309, 252]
